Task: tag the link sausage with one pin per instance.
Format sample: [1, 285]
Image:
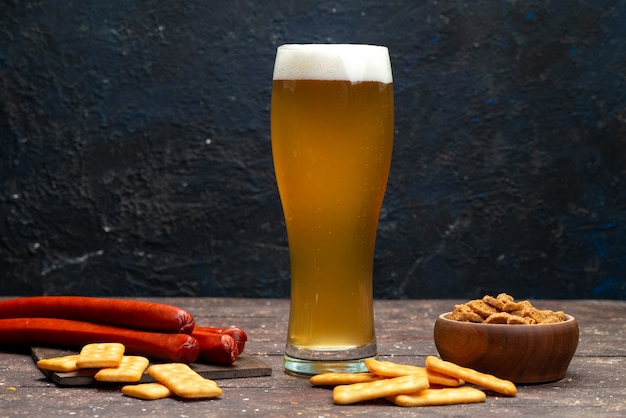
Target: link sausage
[216, 347]
[147, 316]
[238, 334]
[54, 332]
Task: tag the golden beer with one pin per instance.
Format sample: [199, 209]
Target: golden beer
[332, 140]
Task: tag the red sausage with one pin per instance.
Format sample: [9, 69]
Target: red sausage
[67, 333]
[238, 334]
[216, 348]
[147, 316]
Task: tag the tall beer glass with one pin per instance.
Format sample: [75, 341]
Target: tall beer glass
[332, 134]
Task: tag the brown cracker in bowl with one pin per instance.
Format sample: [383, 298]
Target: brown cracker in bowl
[503, 309]
[465, 314]
[545, 316]
[482, 308]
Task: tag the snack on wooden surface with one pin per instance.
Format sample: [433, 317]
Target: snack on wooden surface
[63, 364]
[503, 309]
[391, 369]
[131, 369]
[444, 396]
[173, 379]
[440, 379]
[148, 391]
[334, 379]
[184, 381]
[99, 355]
[123, 313]
[237, 333]
[400, 384]
[358, 392]
[216, 347]
[55, 332]
[475, 377]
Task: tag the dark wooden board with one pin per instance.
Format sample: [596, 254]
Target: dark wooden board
[245, 366]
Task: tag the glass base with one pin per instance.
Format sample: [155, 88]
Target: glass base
[302, 362]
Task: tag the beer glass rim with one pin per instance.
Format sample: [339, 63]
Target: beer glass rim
[328, 61]
[330, 45]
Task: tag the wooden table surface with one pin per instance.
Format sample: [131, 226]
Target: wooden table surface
[595, 384]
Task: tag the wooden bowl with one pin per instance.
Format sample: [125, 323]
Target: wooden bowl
[520, 353]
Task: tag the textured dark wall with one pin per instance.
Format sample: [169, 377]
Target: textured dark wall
[136, 159]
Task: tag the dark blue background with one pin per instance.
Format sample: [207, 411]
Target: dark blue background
[136, 159]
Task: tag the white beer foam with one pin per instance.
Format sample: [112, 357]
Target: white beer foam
[350, 62]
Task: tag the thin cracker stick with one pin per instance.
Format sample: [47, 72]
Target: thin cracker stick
[357, 392]
[445, 396]
[334, 379]
[391, 369]
[436, 378]
[487, 381]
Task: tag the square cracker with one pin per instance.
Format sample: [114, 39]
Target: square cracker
[131, 369]
[148, 391]
[184, 381]
[98, 355]
[63, 364]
